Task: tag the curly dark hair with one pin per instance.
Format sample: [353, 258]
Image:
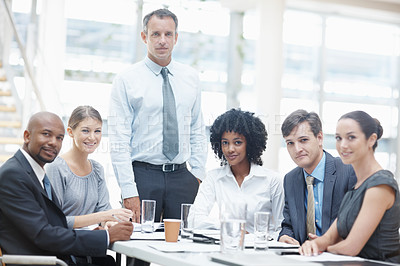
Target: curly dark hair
[244, 123]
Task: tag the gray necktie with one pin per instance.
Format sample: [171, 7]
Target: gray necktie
[170, 122]
[47, 186]
[310, 206]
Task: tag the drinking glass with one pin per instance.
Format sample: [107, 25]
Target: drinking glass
[147, 217]
[233, 226]
[186, 220]
[232, 235]
[261, 225]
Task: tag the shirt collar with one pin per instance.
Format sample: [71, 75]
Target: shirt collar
[319, 171]
[39, 171]
[255, 170]
[156, 68]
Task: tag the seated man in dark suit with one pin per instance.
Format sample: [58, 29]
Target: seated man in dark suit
[31, 220]
[310, 209]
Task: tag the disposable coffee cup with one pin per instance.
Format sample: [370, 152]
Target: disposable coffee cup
[171, 228]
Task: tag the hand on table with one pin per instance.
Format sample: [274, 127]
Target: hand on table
[309, 248]
[120, 231]
[288, 240]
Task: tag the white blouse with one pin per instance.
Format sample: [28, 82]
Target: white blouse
[262, 190]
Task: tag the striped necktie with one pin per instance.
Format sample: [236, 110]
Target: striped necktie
[310, 206]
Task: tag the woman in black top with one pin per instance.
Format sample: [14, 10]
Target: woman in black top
[369, 216]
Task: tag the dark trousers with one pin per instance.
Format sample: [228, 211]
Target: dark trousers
[168, 189]
[91, 261]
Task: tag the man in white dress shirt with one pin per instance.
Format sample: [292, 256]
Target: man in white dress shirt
[136, 129]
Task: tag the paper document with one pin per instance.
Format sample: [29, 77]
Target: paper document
[148, 236]
[248, 239]
[254, 258]
[325, 256]
[184, 246]
[249, 242]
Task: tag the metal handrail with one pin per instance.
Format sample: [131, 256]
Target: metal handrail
[10, 76]
[27, 65]
[31, 260]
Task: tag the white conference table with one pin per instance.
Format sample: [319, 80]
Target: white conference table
[187, 253]
[150, 250]
[140, 249]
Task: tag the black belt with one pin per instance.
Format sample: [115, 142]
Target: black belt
[168, 167]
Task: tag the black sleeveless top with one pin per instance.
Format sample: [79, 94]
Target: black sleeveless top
[384, 242]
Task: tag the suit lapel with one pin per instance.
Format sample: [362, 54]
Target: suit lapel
[299, 196]
[329, 184]
[27, 167]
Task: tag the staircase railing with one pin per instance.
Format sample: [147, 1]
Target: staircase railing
[10, 77]
[27, 65]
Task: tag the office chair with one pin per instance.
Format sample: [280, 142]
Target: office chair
[30, 260]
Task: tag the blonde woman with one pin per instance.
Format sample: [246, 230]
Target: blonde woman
[79, 181]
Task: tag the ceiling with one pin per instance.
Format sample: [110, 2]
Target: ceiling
[381, 10]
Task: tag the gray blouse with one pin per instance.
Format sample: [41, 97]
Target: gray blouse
[78, 195]
[384, 243]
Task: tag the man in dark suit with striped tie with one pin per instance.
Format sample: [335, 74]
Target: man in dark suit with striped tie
[31, 220]
[310, 209]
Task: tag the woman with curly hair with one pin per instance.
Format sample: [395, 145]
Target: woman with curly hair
[238, 139]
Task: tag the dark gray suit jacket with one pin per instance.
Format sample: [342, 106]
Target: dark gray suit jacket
[339, 178]
[32, 224]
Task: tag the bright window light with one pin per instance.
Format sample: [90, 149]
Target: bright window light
[361, 36]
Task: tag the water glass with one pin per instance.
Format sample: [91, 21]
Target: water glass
[147, 217]
[233, 216]
[187, 221]
[261, 225]
[232, 235]
[234, 210]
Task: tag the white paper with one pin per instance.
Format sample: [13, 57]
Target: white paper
[207, 232]
[148, 236]
[257, 258]
[183, 246]
[248, 239]
[249, 242]
[325, 256]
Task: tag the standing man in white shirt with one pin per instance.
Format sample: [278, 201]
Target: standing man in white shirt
[149, 163]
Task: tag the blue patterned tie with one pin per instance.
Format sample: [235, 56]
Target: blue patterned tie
[170, 122]
[47, 186]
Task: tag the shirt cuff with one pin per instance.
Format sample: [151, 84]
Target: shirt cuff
[198, 173]
[129, 191]
[108, 239]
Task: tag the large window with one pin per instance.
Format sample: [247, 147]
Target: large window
[333, 64]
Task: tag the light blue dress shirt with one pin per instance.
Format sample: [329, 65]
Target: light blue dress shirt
[135, 120]
[318, 174]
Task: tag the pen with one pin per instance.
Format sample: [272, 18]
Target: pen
[116, 218]
[289, 252]
[119, 220]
